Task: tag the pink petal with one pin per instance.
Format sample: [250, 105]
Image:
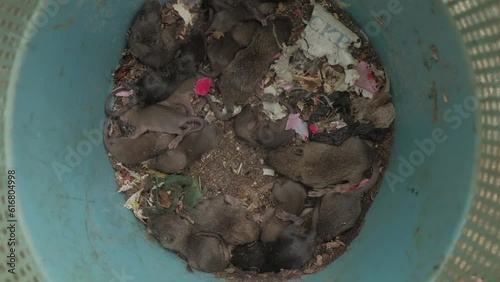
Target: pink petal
[203, 86]
[124, 92]
[287, 87]
[295, 123]
[313, 128]
[277, 56]
[366, 78]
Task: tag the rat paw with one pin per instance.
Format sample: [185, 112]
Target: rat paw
[259, 218]
[316, 193]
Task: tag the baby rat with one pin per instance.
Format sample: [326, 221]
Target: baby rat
[190, 149]
[131, 151]
[222, 51]
[258, 133]
[148, 42]
[203, 251]
[246, 124]
[181, 96]
[230, 14]
[291, 250]
[160, 118]
[225, 215]
[250, 64]
[289, 196]
[320, 165]
[243, 33]
[157, 85]
[340, 211]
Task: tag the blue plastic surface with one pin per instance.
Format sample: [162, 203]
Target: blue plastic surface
[76, 222]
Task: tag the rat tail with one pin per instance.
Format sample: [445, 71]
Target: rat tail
[372, 181]
[223, 244]
[216, 111]
[314, 221]
[198, 120]
[105, 137]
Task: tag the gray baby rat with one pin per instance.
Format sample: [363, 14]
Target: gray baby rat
[131, 151]
[250, 64]
[152, 45]
[160, 118]
[340, 211]
[246, 124]
[292, 249]
[190, 149]
[225, 215]
[157, 85]
[228, 16]
[182, 96]
[203, 251]
[320, 165]
[243, 33]
[222, 51]
[260, 133]
[289, 196]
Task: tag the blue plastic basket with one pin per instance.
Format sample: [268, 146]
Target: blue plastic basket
[437, 216]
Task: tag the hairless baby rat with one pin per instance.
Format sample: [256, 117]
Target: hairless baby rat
[160, 118]
[340, 211]
[259, 133]
[320, 165]
[130, 151]
[190, 149]
[225, 215]
[203, 250]
[152, 45]
[291, 250]
[250, 64]
[289, 196]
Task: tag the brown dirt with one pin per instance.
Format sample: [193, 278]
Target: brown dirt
[236, 168]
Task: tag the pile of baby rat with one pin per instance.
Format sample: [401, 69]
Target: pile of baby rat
[321, 185]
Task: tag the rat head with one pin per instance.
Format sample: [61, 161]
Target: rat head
[287, 161]
[168, 229]
[148, 23]
[243, 33]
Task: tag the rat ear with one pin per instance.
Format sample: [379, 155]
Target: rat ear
[169, 237]
[298, 151]
[251, 125]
